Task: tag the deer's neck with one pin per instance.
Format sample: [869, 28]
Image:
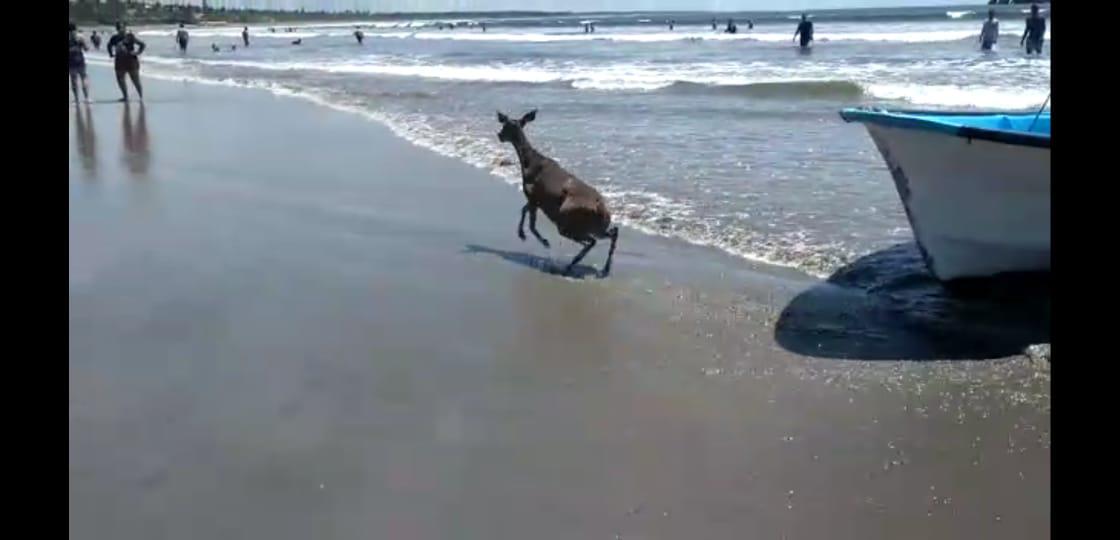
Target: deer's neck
[525, 154]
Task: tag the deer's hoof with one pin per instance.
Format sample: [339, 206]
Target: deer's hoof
[545, 243]
[521, 235]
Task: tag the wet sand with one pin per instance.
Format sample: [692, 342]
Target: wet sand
[287, 323]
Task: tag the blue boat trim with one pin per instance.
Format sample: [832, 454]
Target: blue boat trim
[989, 126]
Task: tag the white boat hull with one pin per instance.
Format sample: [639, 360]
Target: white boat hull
[977, 207]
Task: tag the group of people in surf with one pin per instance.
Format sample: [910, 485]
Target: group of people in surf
[731, 28]
[125, 48]
[1033, 34]
[182, 38]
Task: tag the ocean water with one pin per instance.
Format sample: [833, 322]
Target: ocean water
[725, 140]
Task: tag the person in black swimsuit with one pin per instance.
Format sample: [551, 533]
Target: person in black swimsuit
[358, 35]
[125, 50]
[182, 37]
[805, 30]
[95, 38]
[78, 48]
[245, 35]
[1035, 32]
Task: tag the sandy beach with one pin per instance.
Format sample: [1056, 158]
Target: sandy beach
[285, 322]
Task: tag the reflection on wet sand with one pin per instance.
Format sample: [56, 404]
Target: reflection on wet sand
[87, 141]
[137, 153]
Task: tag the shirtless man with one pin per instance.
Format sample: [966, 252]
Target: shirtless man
[989, 33]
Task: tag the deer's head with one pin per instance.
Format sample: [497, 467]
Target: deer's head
[511, 129]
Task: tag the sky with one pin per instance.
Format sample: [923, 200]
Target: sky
[571, 5]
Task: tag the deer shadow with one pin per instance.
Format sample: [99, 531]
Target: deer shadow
[886, 306]
[540, 264]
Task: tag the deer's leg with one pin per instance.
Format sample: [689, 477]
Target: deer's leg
[521, 224]
[533, 226]
[613, 234]
[587, 245]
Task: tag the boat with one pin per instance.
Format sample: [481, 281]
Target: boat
[975, 186]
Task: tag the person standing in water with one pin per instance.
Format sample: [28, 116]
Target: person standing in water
[358, 35]
[95, 38]
[714, 27]
[1035, 31]
[731, 28]
[182, 37]
[989, 33]
[805, 30]
[672, 23]
[125, 50]
[77, 61]
[245, 35]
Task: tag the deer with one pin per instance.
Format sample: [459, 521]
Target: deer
[578, 210]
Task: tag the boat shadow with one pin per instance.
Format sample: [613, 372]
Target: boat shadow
[887, 306]
[541, 264]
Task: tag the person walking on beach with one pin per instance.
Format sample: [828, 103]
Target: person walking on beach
[989, 33]
[805, 30]
[182, 37]
[245, 35]
[125, 49]
[77, 61]
[95, 38]
[1035, 31]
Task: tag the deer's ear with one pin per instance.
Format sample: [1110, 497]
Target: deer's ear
[502, 118]
[529, 117]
